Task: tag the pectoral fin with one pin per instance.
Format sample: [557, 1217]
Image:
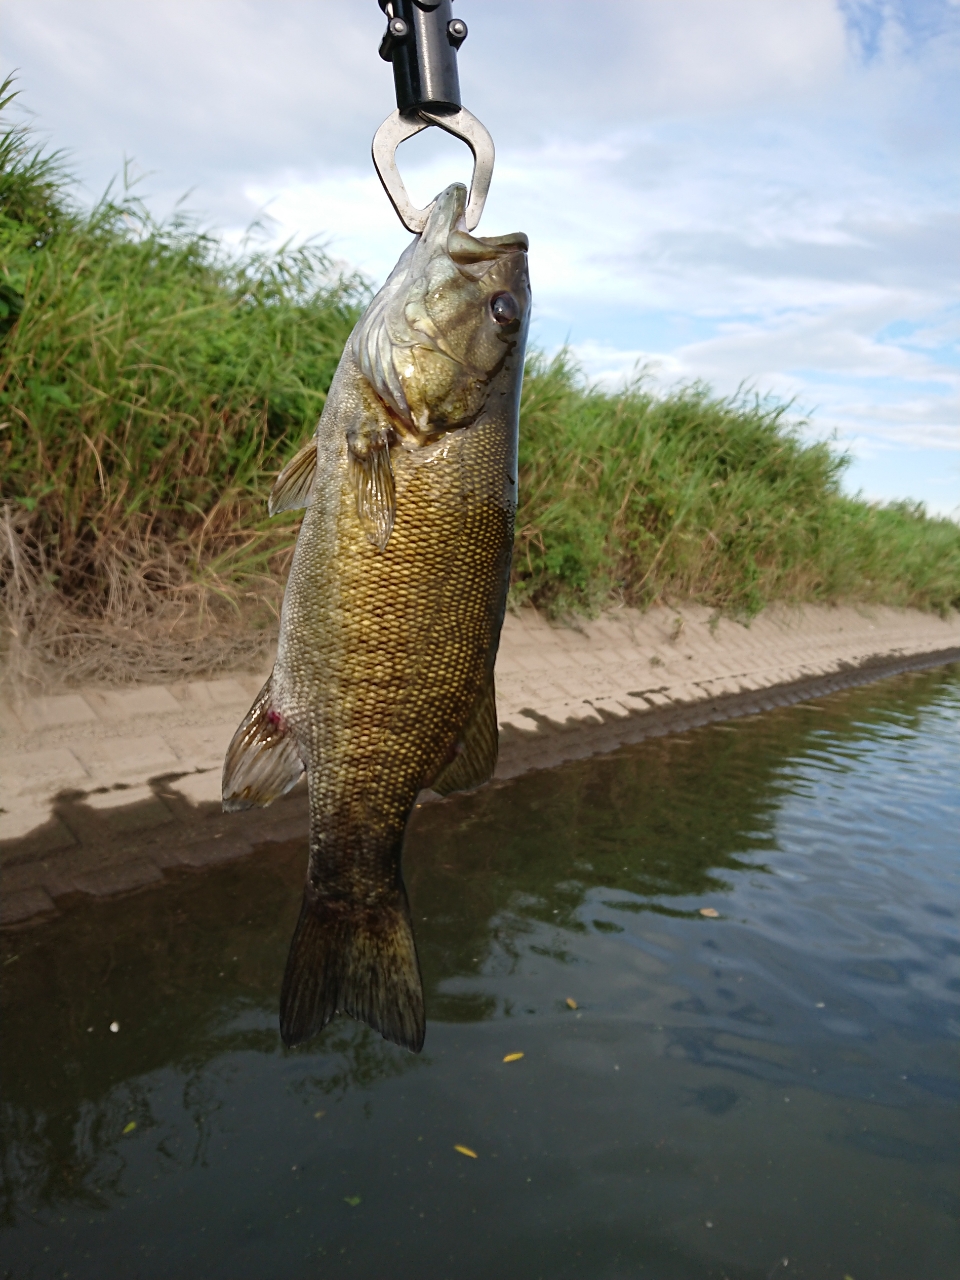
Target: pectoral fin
[293, 485]
[477, 748]
[262, 761]
[372, 477]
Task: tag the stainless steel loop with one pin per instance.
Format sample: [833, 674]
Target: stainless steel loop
[463, 125]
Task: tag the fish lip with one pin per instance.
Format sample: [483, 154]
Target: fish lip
[448, 209]
[384, 331]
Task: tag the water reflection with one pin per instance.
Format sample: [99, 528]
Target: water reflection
[824, 991]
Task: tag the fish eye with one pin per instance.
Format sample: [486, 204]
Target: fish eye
[504, 308]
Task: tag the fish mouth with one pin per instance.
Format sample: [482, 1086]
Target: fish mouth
[465, 249]
[403, 319]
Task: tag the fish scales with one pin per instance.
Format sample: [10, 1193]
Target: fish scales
[426, 607]
[391, 618]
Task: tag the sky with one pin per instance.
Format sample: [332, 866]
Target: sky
[759, 194]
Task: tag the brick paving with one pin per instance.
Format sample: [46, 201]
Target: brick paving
[104, 791]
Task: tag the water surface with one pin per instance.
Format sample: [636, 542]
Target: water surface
[769, 1091]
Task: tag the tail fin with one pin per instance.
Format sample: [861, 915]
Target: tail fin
[350, 958]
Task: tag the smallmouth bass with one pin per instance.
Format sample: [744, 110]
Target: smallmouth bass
[391, 618]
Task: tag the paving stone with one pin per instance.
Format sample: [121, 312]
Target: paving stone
[118, 878]
[686, 694]
[114, 759]
[541, 668]
[720, 686]
[557, 713]
[53, 872]
[40, 772]
[529, 663]
[634, 703]
[127, 809]
[11, 728]
[254, 683]
[56, 712]
[607, 708]
[23, 818]
[147, 700]
[217, 693]
[116, 797]
[516, 720]
[24, 904]
[217, 847]
[205, 747]
[200, 788]
[48, 836]
[584, 713]
[296, 828]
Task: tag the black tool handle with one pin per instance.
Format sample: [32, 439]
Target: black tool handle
[421, 40]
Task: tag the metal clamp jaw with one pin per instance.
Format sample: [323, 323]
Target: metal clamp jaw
[421, 40]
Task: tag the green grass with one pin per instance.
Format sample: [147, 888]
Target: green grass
[685, 496]
[152, 383]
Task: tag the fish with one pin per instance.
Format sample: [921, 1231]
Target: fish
[384, 677]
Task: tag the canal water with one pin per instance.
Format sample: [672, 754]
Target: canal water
[757, 924]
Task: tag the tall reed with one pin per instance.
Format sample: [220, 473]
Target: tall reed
[690, 496]
[152, 383]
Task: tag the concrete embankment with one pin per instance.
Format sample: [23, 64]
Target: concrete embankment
[104, 791]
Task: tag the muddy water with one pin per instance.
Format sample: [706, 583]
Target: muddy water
[769, 1091]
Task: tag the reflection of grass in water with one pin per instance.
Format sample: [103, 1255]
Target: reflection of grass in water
[154, 962]
[350, 1056]
[487, 871]
[669, 818]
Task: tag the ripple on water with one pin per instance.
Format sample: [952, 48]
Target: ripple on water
[782, 1068]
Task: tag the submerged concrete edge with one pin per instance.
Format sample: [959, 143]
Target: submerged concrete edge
[88, 849]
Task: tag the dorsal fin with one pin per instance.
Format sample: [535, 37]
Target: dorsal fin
[293, 485]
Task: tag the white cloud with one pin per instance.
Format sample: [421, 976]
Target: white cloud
[758, 191]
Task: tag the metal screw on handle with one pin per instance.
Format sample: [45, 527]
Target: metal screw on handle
[421, 41]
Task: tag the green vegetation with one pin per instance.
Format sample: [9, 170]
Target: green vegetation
[152, 382]
[149, 382]
[687, 496]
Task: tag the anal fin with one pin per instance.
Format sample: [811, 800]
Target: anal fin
[262, 761]
[477, 747]
[293, 486]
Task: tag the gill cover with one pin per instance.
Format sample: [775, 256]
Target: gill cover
[429, 342]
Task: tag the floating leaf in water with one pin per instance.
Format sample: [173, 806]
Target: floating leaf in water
[513, 1057]
[129, 1128]
[352, 1201]
[710, 912]
[465, 1151]
[318, 1114]
[571, 1003]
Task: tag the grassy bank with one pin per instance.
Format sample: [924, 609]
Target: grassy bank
[151, 383]
[687, 496]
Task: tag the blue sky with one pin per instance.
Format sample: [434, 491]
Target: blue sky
[752, 192]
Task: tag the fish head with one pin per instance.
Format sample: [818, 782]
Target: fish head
[455, 309]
